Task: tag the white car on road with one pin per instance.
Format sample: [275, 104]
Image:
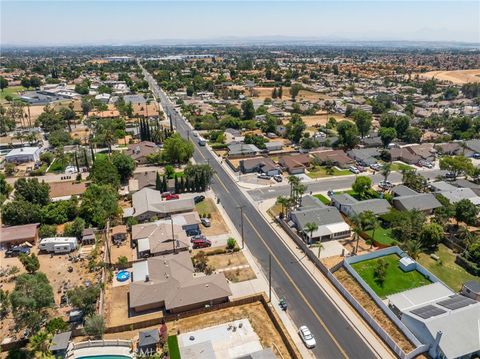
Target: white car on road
[307, 336]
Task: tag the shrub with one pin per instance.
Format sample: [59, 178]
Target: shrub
[231, 243]
[95, 326]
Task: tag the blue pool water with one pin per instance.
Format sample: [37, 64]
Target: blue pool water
[123, 275]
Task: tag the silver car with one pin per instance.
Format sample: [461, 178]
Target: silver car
[307, 337]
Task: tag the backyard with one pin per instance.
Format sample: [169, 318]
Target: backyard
[383, 236]
[395, 281]
[445, 268]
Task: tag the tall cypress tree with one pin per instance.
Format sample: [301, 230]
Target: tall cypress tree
[177, 187]
[76, 161]
[158, 183]
[164, 184]
[93, 153]
[86, 158]
[183, 184]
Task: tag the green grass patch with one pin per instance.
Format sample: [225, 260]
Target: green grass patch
[400, 167]
[206, 206]
[383, 236]
[446, 269]
[321, 171]
[396, 280]
[58, 166]
[322, 198]
[371, 194]
[11, 91]
[173, 349]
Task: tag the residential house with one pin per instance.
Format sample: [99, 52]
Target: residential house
[425, 202]
[59, 345]
[155, 238]
[14, 235]
[148, 203]
[261, 165]
[295, 164]
[188, 221]
[471, 289]
[62, 191]
[88, 236]
[402, 190]
[364, 156]
[458, 194]
[328, 219]
[119, 233]
[425, 151]
[404, 155]
[337, 157]
[140, 151]
[472, 147]
[350, 206]
[242, 149]
[449, 148]
[23, 154]
[148, 341]
[170, 283]
[273, 146]
[463, 183]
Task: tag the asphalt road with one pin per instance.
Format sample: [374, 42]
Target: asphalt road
[307, 303]
[335, 183]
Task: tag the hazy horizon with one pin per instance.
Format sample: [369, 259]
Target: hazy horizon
[48, 23]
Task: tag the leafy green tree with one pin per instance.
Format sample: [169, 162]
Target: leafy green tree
[169, 171]
[56, 325]
[122, 262]
[75, 228]
[363, 120]
[177, 150]
[98, 204]
[3, 83]
[386, 170]
[59, 138]
[457, 165]
[347, 134]
[231, 243]
[413, 248]
[4, 303]
[125, 165]
[84, 298]
[31, 296]
[7, 123]
[202, 171]
[49, 120]
[431, 234]
[294, 90]
[283, 202]
[39, 343]
[380, 272]
[413, 135]
[248, 110]
[466, 211]
[20, 212]
[32, 190]
[104, 172]
[30, 262]
[95, 326]
[60, 212]
[295, 128]
[413, 180]
[429, 87]
[387, 134]
[362, 185]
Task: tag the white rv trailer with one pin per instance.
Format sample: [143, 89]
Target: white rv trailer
[58, 244]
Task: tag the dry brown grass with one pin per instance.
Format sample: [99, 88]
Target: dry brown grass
[218, 225]
[240, 275]
[371, 307]
[458, 77]
[321, 120]
[220, 261]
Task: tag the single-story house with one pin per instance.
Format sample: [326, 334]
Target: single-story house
[457, 194]
[449, 148]
[337, 157]
[119, 233]
[402, 190]
[242, 149]
[23, 154]
[425, 202]
[404, 155]
[261, 165]
[274, 146]
[15, 235]
[169, 283]
[295, 164]
[328, 219]
[350, 206]
[148, 203]
[440, 186]
[139, 151]
[472, 147]
[155, 238]
[148, 341]
[88, 236]
[463, 183]
[364, 156]
[425, 151]
[62, 191]
[188, 221]
[59, 344]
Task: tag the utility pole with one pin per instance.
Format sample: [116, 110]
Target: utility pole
[241, 219]
[173, 235]
[269, 277]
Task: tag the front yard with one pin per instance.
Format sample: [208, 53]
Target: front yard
[396, 280]
[446, 269]
[321, 171]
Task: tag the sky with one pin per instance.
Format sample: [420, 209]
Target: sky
[129, 22]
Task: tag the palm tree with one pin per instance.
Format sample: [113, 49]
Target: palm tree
[385, 171]
[284, 202]
[310, 227]
[357, 229]
[293, 181]
[320, 247]
[39, 343]
[299, 191]
[413, 248]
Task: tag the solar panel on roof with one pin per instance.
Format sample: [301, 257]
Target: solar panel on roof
[427, 311]
[456, 301]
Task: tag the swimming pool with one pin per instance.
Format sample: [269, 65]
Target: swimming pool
[123, 276]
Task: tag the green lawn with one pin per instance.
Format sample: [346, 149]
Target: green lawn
[399, 167]
[446, 269]
[173, 350]
[396, 280]
[383, 236]
[58, 166]
[206, 206]
[369, 195]
[12, 91]
[322, 198]
[322, 172]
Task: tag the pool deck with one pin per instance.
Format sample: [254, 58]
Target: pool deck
[94, 349]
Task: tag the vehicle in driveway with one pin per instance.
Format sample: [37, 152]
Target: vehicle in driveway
[450, 176]
[16, 251]
[197, 237]
[172, 196]
[426, 164]
[166, 194]
[307, 337]
[354, 169]
[376, 167]
[265, 177]
[206, 222]
[198, 199]
[201, 243]
[193, 232]
[385, 184]
[278, 178]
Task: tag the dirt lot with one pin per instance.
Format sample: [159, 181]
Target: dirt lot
[321, 120]
[233, 265]
[218, 224]
[371, 307]
[458, 77]
[121, 250]
[266, 92]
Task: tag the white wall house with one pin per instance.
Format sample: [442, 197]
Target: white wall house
[23, 154]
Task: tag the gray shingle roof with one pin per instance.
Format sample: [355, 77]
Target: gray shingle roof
[320, 216]
[148, 337]
[420, 201]
[60, 341]
[402, 190]
[376, 205]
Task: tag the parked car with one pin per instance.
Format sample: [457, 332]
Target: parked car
[385, 184]
[198, 199]
[307, 337]
[166, 194]
[376, 167]
[354, 169]
[206, 222]
[201, 243]
[476, 155]
[193, 232]
[426, 164]
[360, 168]
[265, 177]
[16, 251]
[172, 196]
[202, 142]
[197, 237]
[278, 178]
[449, 175]
[195, 134]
